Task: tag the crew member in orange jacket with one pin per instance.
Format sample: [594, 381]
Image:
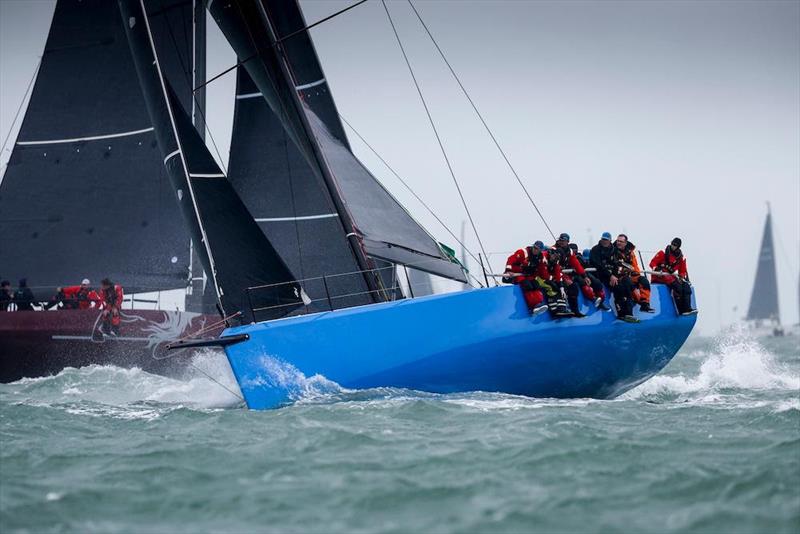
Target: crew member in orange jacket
[672, 263]
[625, 256]
[111, 303]
[522, 268]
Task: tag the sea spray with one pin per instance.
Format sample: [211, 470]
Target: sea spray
[105, 385]
[735, 363]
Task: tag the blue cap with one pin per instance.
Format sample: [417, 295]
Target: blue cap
[587, 253]
[564, 236]
[606, 235]
[539, 245]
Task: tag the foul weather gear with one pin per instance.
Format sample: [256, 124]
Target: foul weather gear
[23, 298]
[628, 265]
[518, 271]
[673, 262]
[111, 304]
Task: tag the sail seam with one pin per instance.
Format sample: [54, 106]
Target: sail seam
[248, 95]
[301, 218]
[90, 138]
[310, 85]
[201, 175]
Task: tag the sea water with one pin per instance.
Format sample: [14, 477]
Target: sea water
[712, 444]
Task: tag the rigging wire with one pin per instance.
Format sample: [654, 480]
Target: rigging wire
[220, 384]
[189, 82]
[277, 42]
[435, 131]
[21, 104]
[410, 190]
[483, 121]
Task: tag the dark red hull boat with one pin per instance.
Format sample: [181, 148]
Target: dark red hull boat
[34, 344]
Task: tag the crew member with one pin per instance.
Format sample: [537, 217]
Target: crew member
[6, 295]
[597, 294]
[86, 297]
[522, 271]
[628, 265]
[59, 298]
[111, 303]
[80, 297]
[601, 257]
[672, 263]
[23, 296]
[565, 256]
[556, 298]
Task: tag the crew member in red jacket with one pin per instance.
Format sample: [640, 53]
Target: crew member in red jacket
[522, 268]
[111, 303]
[566, 259]
[80, 297]
[672, 263]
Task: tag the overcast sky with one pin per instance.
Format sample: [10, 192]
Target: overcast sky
[653, 118]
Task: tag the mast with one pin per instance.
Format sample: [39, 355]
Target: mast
[201, 298]
[290, 205]
[764, 298]
[235, 251]
[288, 75]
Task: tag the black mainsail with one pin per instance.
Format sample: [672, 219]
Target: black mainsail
[234, 250]
[764, 299]
[85, 193]
[268, 37]
[293, 210]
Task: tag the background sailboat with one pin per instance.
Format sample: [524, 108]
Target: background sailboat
[763, 314]
[86, 193]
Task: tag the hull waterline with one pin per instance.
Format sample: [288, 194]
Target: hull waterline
[478, 340]
[36, 344]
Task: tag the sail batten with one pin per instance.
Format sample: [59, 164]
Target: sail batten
[234, 251]
[287, 73]
[292, 207]
[86, 162]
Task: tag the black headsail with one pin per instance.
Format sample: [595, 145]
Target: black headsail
[280, 58]
[85, 193]
[290, 205]
[764, 300]
[234, 250]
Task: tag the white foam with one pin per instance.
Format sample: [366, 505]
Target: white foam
[104, 390]
[737, 362]
[276, 373]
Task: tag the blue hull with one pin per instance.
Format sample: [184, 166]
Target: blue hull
[478, 340]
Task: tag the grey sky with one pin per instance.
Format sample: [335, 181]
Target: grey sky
[653, 118]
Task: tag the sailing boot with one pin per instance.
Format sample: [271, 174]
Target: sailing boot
[561, 309]
[646, 308]
[600, 305]
[538, 310]
[575, 307]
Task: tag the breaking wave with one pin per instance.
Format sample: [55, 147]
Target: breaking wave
[131, 393]
[736, 364]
